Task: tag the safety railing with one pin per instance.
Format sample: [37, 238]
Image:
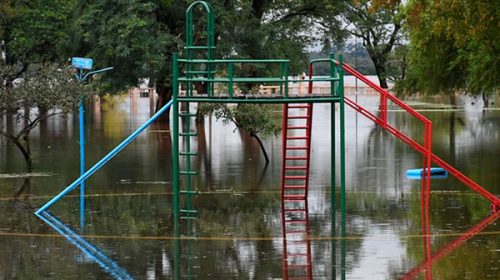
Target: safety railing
[228, 75]
[385, 96]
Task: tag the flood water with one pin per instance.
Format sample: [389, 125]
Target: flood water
[129, 233]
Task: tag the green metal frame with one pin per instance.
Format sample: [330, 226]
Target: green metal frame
[195, 69]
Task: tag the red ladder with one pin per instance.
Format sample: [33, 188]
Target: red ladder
[296, 137]
[296, 241]
[382, 121]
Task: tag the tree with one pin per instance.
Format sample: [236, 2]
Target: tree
[256, 119]
[378, 23]
[44, 86]
[454, 46]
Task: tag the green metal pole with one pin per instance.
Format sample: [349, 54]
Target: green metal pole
[286, 79]
[333, 197]
[230, 76]
[175, 139]
[281, 77]
[342, 144]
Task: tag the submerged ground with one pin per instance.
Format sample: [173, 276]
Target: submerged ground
[238, 234]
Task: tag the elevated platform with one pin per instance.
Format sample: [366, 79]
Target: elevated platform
[260, 98]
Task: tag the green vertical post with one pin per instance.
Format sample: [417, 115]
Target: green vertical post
[175, 138]
[333, 197]
[286, 79]
[342, 144]
[230, 76]
[281, 77]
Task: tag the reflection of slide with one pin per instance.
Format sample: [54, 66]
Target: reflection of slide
[86, 247]
[426, 265]
[296, 243]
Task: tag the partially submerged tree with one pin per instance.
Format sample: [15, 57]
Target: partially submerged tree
[41, 93]
[256, 119]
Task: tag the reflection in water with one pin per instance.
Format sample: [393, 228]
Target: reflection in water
[431, 259]
[91, 251]
[383, 208]
[296, 240]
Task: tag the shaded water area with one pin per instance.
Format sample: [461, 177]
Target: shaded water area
[238, 235]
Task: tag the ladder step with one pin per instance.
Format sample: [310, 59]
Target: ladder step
[298, 265]
[294, 197]
[295, 158]
[199, 72]
[189, 192]
[295, 231]
[295, 177]
[296, 148]
[188, 173]
[188, 211]
[295, 221]
[294, 186]
[199, 47]
[295, 210]
[297, 254]
[188, 134]
[299, 167]
[298, 106]
[188, 154]
[296, 137]
[298, 117]
[188, 218]
[298, 127]
[187, 114]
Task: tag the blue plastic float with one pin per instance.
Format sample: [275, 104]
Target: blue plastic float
[417, 174]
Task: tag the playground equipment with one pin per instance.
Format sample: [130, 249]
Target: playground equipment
[200, 75]
[192, 71]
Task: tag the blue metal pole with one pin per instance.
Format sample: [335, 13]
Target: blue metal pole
[105, 159]
[82, 164]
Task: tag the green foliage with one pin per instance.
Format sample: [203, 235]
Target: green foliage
[135, 37]
[379, 25]
[253, 118]
[42, 92]
[45, 86]
[36, 31]
[454, 46]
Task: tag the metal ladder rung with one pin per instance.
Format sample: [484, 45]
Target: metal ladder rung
[295, 158]
[188, 134]
[299, 167]
[298, 106]
[187, 114]
[295, 186]
[296, 138]
[296, 148]
[293, 177]
[188, 173]
[298, 127]
[189, 192]
[188, 218]
[294, 197]
[188, 154]
[199, 47]
[188, 211]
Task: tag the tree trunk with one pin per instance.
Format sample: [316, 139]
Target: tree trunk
[379, 64]
[486, 100]
[262, 148]
[25, 150]
[164, 96]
